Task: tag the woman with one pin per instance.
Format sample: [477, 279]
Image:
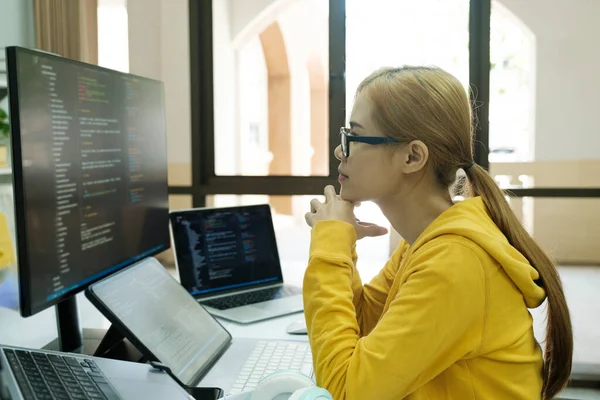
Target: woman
[447, 317]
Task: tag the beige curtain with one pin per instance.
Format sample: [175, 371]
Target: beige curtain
[68, 28]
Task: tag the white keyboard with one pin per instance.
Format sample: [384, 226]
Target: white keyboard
[268, 357]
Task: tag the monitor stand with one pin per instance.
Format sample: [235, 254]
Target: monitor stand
[92, 342]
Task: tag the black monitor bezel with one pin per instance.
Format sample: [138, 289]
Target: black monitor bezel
[26, 306]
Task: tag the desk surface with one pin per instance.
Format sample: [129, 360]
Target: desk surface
[580, 283]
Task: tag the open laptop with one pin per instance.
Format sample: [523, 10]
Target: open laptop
[227, 259]
[27, 374]
[155, 313]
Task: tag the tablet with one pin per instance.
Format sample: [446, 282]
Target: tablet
[151, 309]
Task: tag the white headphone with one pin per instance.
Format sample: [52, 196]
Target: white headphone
[285, 385]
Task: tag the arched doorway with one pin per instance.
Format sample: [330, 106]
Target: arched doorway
[279, 109]
[319, 109]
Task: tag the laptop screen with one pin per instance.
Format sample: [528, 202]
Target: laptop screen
[223, 249]
[161, 317]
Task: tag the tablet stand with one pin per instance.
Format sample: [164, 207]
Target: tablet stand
[115, 346]
[93, 342]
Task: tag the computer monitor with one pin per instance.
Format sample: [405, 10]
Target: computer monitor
[89, 175]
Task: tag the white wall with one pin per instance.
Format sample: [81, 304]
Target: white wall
[226, 99]
[159, 49]
[16, 25]
[113, 49]
[303, 33]
[16, 29]
[567, 79]
[251, 17]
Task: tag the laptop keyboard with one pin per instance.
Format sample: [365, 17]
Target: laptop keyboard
[269, 357]
[242, 299]
[43, 376]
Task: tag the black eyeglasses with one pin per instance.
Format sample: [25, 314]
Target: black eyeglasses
[346, 137]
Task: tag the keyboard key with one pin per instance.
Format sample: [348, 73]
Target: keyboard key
[55, 358]
[71, 361]
[90, 388]
[97, 379]
[108, 391]
[61, 395]
[86, 381]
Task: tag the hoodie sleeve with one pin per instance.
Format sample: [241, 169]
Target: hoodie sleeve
[435, 319]
[369, 300]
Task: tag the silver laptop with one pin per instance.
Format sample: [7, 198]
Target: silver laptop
[166, 324]
[227, 259]
[35, 374]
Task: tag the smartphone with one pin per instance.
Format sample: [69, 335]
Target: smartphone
[205, 393]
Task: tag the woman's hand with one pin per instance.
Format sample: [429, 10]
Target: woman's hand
[335, 208]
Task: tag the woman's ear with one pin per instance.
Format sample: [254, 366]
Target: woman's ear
[414, 157]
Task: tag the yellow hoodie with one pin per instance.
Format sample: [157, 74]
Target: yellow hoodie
[445, 319]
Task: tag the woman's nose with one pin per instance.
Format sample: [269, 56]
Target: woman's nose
[338, 152]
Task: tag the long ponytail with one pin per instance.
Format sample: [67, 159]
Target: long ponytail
[559, 333]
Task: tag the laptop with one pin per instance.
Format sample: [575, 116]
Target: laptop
[158, 316]
[227, 259]
[27, 374]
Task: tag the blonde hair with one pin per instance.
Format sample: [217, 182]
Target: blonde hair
[431, 105]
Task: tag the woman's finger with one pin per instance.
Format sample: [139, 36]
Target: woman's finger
[308, 217]
[330, 194]
[369, 229]
[315, 205]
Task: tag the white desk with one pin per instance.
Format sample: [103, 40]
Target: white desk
[270, 329]
[580, 284]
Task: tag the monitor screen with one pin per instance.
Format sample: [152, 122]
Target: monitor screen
[221, 249]
[90, 173]
[161, 319]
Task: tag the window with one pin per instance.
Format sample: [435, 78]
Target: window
[543, 121]
[512, 87]
[113, 48]
[271, 88]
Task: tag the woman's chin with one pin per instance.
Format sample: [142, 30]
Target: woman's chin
[348, 196]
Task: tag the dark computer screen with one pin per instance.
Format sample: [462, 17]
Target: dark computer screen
[90, 173]
[225, 248]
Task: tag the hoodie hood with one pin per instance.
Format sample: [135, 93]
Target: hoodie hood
[469, 218]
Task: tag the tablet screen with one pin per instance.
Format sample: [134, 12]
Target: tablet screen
[163, 317]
